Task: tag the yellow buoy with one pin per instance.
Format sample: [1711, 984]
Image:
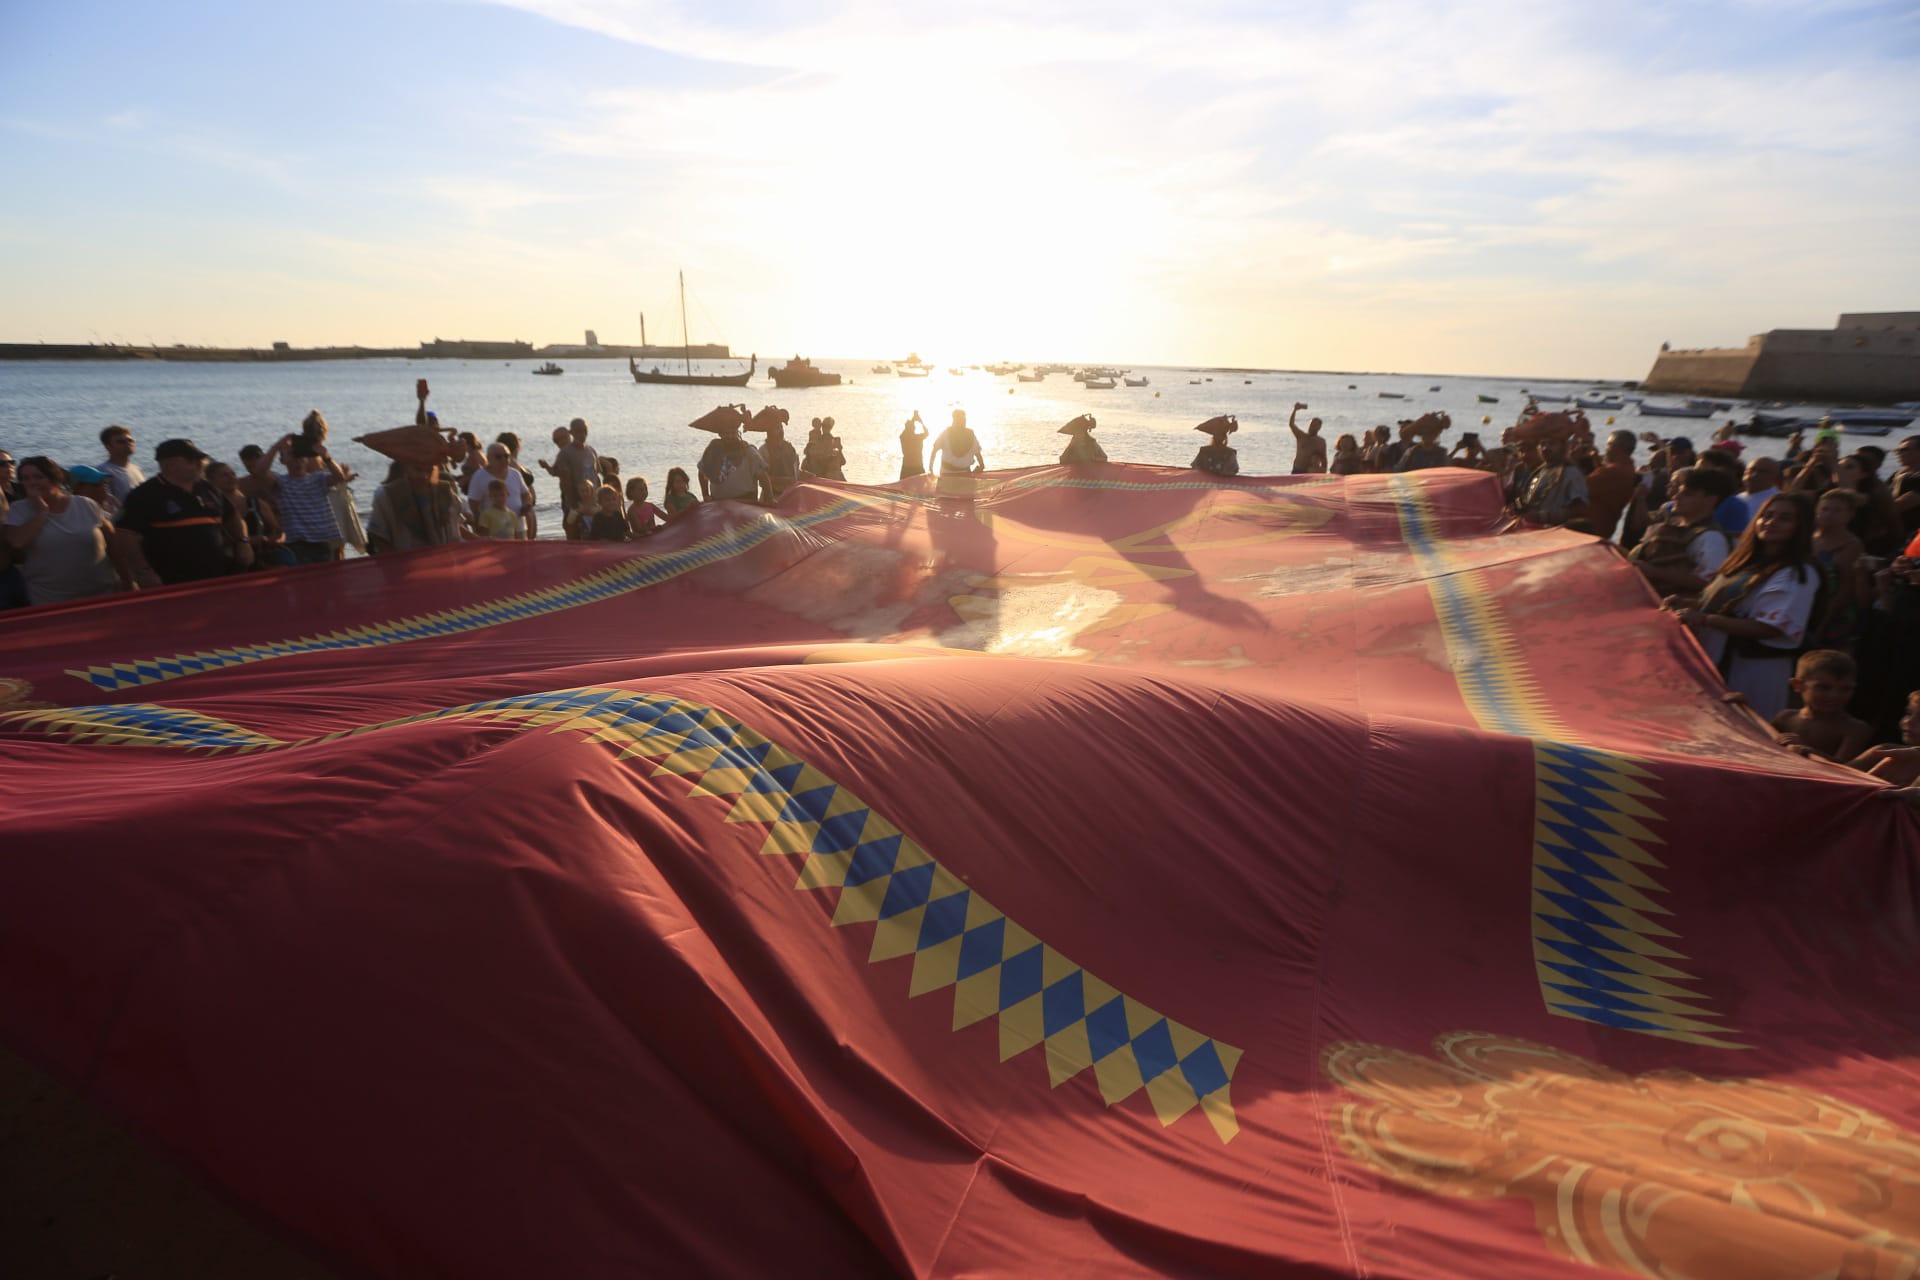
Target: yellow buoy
[1609, 421]
[1484, 419]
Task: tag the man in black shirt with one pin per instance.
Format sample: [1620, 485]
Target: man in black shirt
[176, 526]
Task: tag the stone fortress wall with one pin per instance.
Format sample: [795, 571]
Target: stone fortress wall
[1867, 357]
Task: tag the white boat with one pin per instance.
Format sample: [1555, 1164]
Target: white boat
[1135, 382]
[1100, 384]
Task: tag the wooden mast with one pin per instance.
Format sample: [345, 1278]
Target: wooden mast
[686, 351]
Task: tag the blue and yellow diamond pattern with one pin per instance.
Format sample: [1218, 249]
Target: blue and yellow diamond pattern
[628, 575]
[1604, 949]
[878, 875]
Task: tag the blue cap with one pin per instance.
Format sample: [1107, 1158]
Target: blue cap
[84, 474]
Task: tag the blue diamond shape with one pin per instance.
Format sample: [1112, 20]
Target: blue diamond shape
[980, 948]
[1062, 1004]
[944, 919]
[907, 889]
[1107, 1028]
[1203, 1069]
[1153, 1050]
[1020, 976]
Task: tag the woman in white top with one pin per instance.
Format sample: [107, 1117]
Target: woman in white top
[64, 538]
[1753, 616]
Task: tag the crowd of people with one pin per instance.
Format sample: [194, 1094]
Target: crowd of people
[1799, 574]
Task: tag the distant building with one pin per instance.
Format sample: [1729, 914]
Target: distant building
[462, 348]
[281, 346]
[1867, 356]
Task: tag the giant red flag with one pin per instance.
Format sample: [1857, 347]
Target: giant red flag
[1094, 871]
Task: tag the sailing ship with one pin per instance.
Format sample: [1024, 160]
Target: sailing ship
[688, 378]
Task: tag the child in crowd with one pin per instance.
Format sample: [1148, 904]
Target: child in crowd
[609, 523]
[679, 493]
[1824, 679]
[579, 519]
[1899, 765]
[642, 516]
[497, 519]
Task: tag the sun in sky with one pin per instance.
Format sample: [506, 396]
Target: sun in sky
[1496, 186]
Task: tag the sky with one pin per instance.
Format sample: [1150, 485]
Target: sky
[1501, 187]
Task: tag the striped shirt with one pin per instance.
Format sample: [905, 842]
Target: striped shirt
[306, 512]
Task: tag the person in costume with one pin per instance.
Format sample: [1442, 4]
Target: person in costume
[1081, 446]
[1217, 457]
[777, 452]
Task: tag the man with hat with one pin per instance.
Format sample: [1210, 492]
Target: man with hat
[176, 527]
[1217, 457]
[730, 467]
[1082, 447]
[782, 461]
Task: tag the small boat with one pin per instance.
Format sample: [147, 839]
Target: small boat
[801, 372]
[1586, 403]
[1871, 417]
[1712, 406]
[1547, 399]
[1193, 382]
[1767, 420]
[881, 368]
[1774, 428]
[956, 372]
[903, 371]
[548, 370]
[1031, 377]
[1391, 395]
[1488, 399]
[1433, 388]
[1135, 382]
[1100, 384]
[1648, 409]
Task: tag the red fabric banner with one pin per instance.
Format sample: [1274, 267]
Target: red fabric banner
[1104, 870]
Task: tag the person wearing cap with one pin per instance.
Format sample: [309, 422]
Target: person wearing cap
[123, 474]
[64, 537]
[1081, 447]
[176, 526]
[304, 502]
[95, 485]
[825, 457]
[1217, 457]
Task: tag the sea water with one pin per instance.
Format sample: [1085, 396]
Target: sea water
[57, 408]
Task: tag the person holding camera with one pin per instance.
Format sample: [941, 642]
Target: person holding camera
[913, 439]
[1309, 446]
